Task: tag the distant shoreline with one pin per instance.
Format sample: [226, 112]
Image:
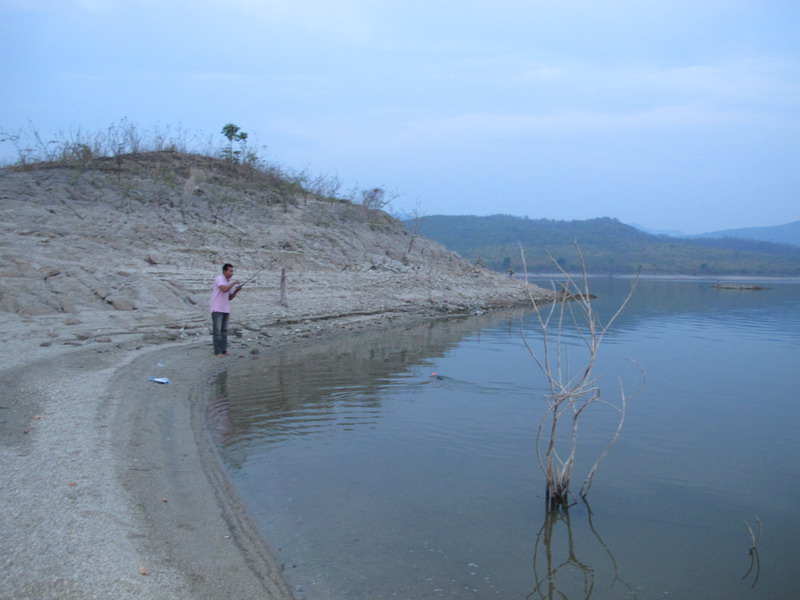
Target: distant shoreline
[710, 278]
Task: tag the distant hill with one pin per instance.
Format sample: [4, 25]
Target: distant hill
[607, 245]
[779, 234]
[669, 232]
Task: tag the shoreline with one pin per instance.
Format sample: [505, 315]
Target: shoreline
[168, 465]
[112, 487]
[108, 491]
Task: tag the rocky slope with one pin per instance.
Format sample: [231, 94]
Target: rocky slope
[128, 247]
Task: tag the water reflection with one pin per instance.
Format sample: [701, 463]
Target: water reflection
[559, 567]
[337, 385]
[218, 419]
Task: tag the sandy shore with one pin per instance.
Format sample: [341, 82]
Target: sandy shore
[110, 489]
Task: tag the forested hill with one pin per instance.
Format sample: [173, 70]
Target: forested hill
[607, 245]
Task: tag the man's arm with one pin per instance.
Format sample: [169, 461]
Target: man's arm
[226, 288]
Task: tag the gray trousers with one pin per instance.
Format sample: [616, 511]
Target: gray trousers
[219, 331]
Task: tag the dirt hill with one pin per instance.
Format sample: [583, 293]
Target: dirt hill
[127, 248]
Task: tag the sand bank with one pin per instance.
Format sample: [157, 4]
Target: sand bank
[110, 490]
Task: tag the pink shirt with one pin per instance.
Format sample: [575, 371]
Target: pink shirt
[220, 301]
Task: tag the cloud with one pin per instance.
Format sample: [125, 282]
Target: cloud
[485, 127]
[96, 5]
[542, 75]
[58, 5]
[345, 21]
[220, 77]
[755, 79]
[736, 80]
[463, 133]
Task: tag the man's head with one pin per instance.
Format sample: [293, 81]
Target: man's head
[227, 270]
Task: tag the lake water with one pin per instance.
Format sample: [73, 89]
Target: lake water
[373, 479]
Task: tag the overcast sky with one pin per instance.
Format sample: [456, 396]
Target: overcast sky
[671, 114]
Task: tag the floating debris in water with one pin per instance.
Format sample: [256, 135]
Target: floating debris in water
[736, 286]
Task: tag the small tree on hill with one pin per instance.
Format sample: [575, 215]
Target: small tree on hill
[234, 134]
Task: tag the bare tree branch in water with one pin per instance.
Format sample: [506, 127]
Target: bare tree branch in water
[755, 562]
[571, 390]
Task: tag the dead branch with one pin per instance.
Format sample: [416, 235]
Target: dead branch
[572, 391]
[755, 561]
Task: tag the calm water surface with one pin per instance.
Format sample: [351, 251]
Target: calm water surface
[373, 479]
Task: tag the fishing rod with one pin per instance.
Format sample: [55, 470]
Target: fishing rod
[241, 285]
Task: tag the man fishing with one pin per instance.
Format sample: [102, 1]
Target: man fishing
[221, 308]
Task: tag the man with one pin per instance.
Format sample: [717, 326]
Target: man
[221, 308]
